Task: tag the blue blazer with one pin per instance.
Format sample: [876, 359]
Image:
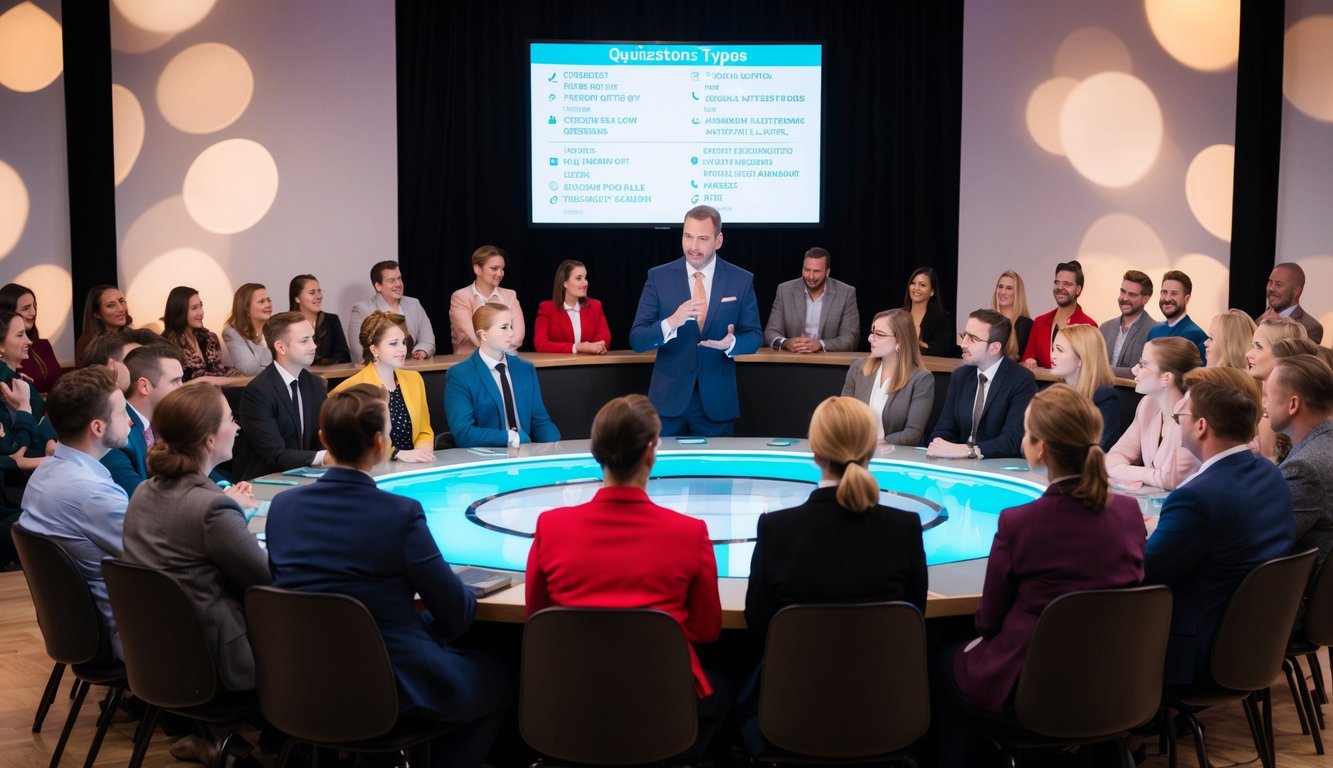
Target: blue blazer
[475, 408]
[129, 465]
[681, 362]
[1001, 430]
[1214, 530]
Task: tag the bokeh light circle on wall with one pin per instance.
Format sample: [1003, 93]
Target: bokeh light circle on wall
[147, 291]
[1307, 66]
[54, 289]
[1043, 112]
[126, 37]
[230, 186]
[1090, 50]
[1115, 243]
[1211, 280]
[128, 132]
[1208, 184]
[14, 206]
[1201, 34]
[204, 88]
[1318, 271]
[31, 50]
[1111, 129]
[164, 16]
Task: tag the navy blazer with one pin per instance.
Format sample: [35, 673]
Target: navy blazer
[681, 362]
[272, 438]
[129, 465]
[475, 408]
[1000, 433]
[1214, 529]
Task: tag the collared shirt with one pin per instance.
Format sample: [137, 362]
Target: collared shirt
[573, 313]
[480, 300]
[813, 309]
[1288, 311]
[495, 376]
[287, 380]
[990, 378]
[139, 414]
[1210, 462]
[669, 333]
[1121, 336]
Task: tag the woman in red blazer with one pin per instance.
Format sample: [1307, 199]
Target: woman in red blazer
[556, 331]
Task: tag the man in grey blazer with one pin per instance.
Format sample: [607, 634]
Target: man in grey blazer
[1126, 334]
[814, 313]
[1286, 283]
[1298, 398]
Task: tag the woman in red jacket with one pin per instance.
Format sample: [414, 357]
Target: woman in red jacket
[571, 322]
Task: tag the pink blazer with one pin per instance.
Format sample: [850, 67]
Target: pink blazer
[555, 332]
[461, 306]
[1145, 455]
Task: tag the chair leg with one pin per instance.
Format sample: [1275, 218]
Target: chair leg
[144, 735]
[1126, 754]
[1271, 751]
[1169, 734]
[73, 688]
[48, 696]
[1251, 707]
[104, 722]
[69, 721]
[1307, 702]
[1291, 670]
[1196, 730]
[224, 747]
[1321, 696]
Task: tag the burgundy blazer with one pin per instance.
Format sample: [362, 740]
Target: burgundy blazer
[555, 333]
[1042, 550]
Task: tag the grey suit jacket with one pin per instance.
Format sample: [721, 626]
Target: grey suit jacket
[906, 412]
[1308, 470]
[187, 527]
[1313, 328]
[839, 319]
[1133, 348]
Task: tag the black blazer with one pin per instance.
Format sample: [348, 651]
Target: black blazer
[270, 440]
[938, 332]
[820, 552]
[1001, 430]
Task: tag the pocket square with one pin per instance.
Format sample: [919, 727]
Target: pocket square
[725, 299]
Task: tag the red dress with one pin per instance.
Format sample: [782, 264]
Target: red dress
[41, 366]
[555, 331]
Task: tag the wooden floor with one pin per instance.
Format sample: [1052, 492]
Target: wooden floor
[24, 668]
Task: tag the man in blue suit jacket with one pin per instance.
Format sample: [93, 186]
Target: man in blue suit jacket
[475, 407]
[155, 370]
[1229, 517]
[1009, 389]
[1176, 290]
[694, 378]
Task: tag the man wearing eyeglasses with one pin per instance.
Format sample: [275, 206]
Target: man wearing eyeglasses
[1065, 289]
[983, 409]
[1126, 333]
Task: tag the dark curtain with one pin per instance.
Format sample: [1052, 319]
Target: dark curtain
[892, 106]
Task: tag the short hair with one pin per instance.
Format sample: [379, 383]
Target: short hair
[374, 327]
[276, 328]
[1145, 282]
[485, 253]
[146, 362]
[929, 272]
[1235, 332]
[1071, 266]
[1071, 427]
[1000, 327]
[10, 295]
[562, 274]
[1182, 278]
[182, 423]
[1310, 379]
[1229, 399]
[484, 315]
[622, 430]
[240, 311]
[1298, 274]
[820, 253]
[1177, 356]
[1296, 345]
[843, 432]
[377, 271]
[107, 347]
[350, 419]
[78, 398]
[705, 213]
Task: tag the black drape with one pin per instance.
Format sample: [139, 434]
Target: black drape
[892, 106]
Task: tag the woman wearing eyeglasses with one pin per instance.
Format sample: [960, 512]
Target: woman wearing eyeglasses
[892, 380]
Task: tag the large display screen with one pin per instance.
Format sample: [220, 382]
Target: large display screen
[639, 133]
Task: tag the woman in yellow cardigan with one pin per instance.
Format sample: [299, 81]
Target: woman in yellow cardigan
[384, 348]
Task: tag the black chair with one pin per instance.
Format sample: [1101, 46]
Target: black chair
[1092, 672]
[167, 658]
[606, 686]
[1247, 654]
[1316, 633]
[844, 683]
[324, 677]
[74, 633]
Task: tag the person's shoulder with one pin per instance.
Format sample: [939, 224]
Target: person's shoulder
[662, 269]
[794, 284]
[264, 379]
[1009, 367]
[1045, 317]
[409, 376]
[921, 375]
[547, 307]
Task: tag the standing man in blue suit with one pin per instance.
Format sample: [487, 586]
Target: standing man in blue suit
[698, 312]
[1223, 521]
[154, 371]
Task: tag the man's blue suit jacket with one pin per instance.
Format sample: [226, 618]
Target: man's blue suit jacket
[681, 362]
[1186, 329]
[1214, 530]
[1000, 433]
[129, 465]
[475, 408]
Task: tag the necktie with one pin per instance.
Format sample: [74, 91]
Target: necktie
[300, 422]
[148, 437]
[700, 295]
[978, 406]
[510, 413]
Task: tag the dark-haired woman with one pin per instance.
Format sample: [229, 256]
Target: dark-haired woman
[571, 322]
[934, 327]
[330, 342]
[104, 310]
[183, 326]
[42, 365]
[26, 437]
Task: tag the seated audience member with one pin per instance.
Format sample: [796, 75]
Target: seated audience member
[1011, 300]
[1298, 399]
[183, 326]
[1283, 349]
[493, 398]
[27, 436]
[1150, 451]
[154, 372]
[1231, 516]
[104, 310]
[307, 297]
[488, 268]
[620, 550]
[814, 313]
[279, 413]
[384, 349]
[1229, 337]
[387, 280]
[571, 322]
[42, 365]
[1078, 356]
[1259, 361]
[1175, 298]
[375, 546]
[1077, 536]
[934, 329]
[71, 497]
[1066, 289]
[983, 407]
[243, 333]
[1286, 283]
[1126, 333]
[109, 350]
[893, 381]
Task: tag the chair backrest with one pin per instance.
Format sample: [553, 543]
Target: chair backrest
[321, 668]
[66, 612]
[167, 657]
[1094, 665]
[845, 681]
[606, 686]
[1252, 637]
[1319, 608]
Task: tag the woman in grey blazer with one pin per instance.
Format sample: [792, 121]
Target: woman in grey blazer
[892, 380]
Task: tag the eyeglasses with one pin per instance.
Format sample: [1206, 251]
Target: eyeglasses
[1176, 417]
[970, 338]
